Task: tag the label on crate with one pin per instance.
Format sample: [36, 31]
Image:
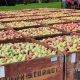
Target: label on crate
[53, 59]
[73, 58]
[62, 59]
[2, 71]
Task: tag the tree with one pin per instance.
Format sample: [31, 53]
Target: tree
[39, 1]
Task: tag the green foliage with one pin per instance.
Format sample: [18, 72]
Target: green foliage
[33, 5]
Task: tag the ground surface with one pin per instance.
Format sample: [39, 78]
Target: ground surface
[34, 5]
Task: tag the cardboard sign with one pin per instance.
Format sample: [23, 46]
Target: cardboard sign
[73, 58]
[53, 59]
[2, 71]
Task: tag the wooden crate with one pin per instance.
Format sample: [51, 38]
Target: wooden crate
[43, 36]
[72, 66]
[14, 39]
[47, 68]
[72, 63]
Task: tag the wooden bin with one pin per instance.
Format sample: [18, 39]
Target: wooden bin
[72, 63]
[14, 39]
[48, 68]
[45, 68]
[76, 31]
[72, 66]
[37, 37]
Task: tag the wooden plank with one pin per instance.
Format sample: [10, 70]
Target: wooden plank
[37, 69]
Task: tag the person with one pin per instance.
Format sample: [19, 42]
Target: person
[69, 3]
[75, 4]
[64, 3]
[72, 4]
[79, 4]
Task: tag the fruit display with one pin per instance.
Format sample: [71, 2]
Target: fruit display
[72, 18]
[39, 22]
[42, 13]
[74, 14]
[13, 19]
[18, 52]
[50, 21]
[68, 26]
[2, 26]
[35, 17]
[27, 14]
[9, 34]
[21, 18]
[14, 15]
[41, 31]
[64, 43]
[55, 14]
[77, 11]
[21, 24]
[2, 16]
[38, 12]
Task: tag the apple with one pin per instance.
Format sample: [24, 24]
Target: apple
[17, 52]
[64, 43]
[41, 31]
[68, 26]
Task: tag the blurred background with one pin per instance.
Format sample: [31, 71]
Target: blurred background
[14, 2]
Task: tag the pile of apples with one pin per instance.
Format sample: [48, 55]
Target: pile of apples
[39, 31]
[21, 24]
[37, 17]
[38, 12]
[68, 26]
[2, 26]
[57, 14]
[50, 21]
[42, 13]
[72, 18]
[13, 19]
[64, 43]
[74, 14]
[14, 14]
[2, 15]
[23, 14]
[21, 18]
[23, 51]
[9, 34]
[77, 11]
